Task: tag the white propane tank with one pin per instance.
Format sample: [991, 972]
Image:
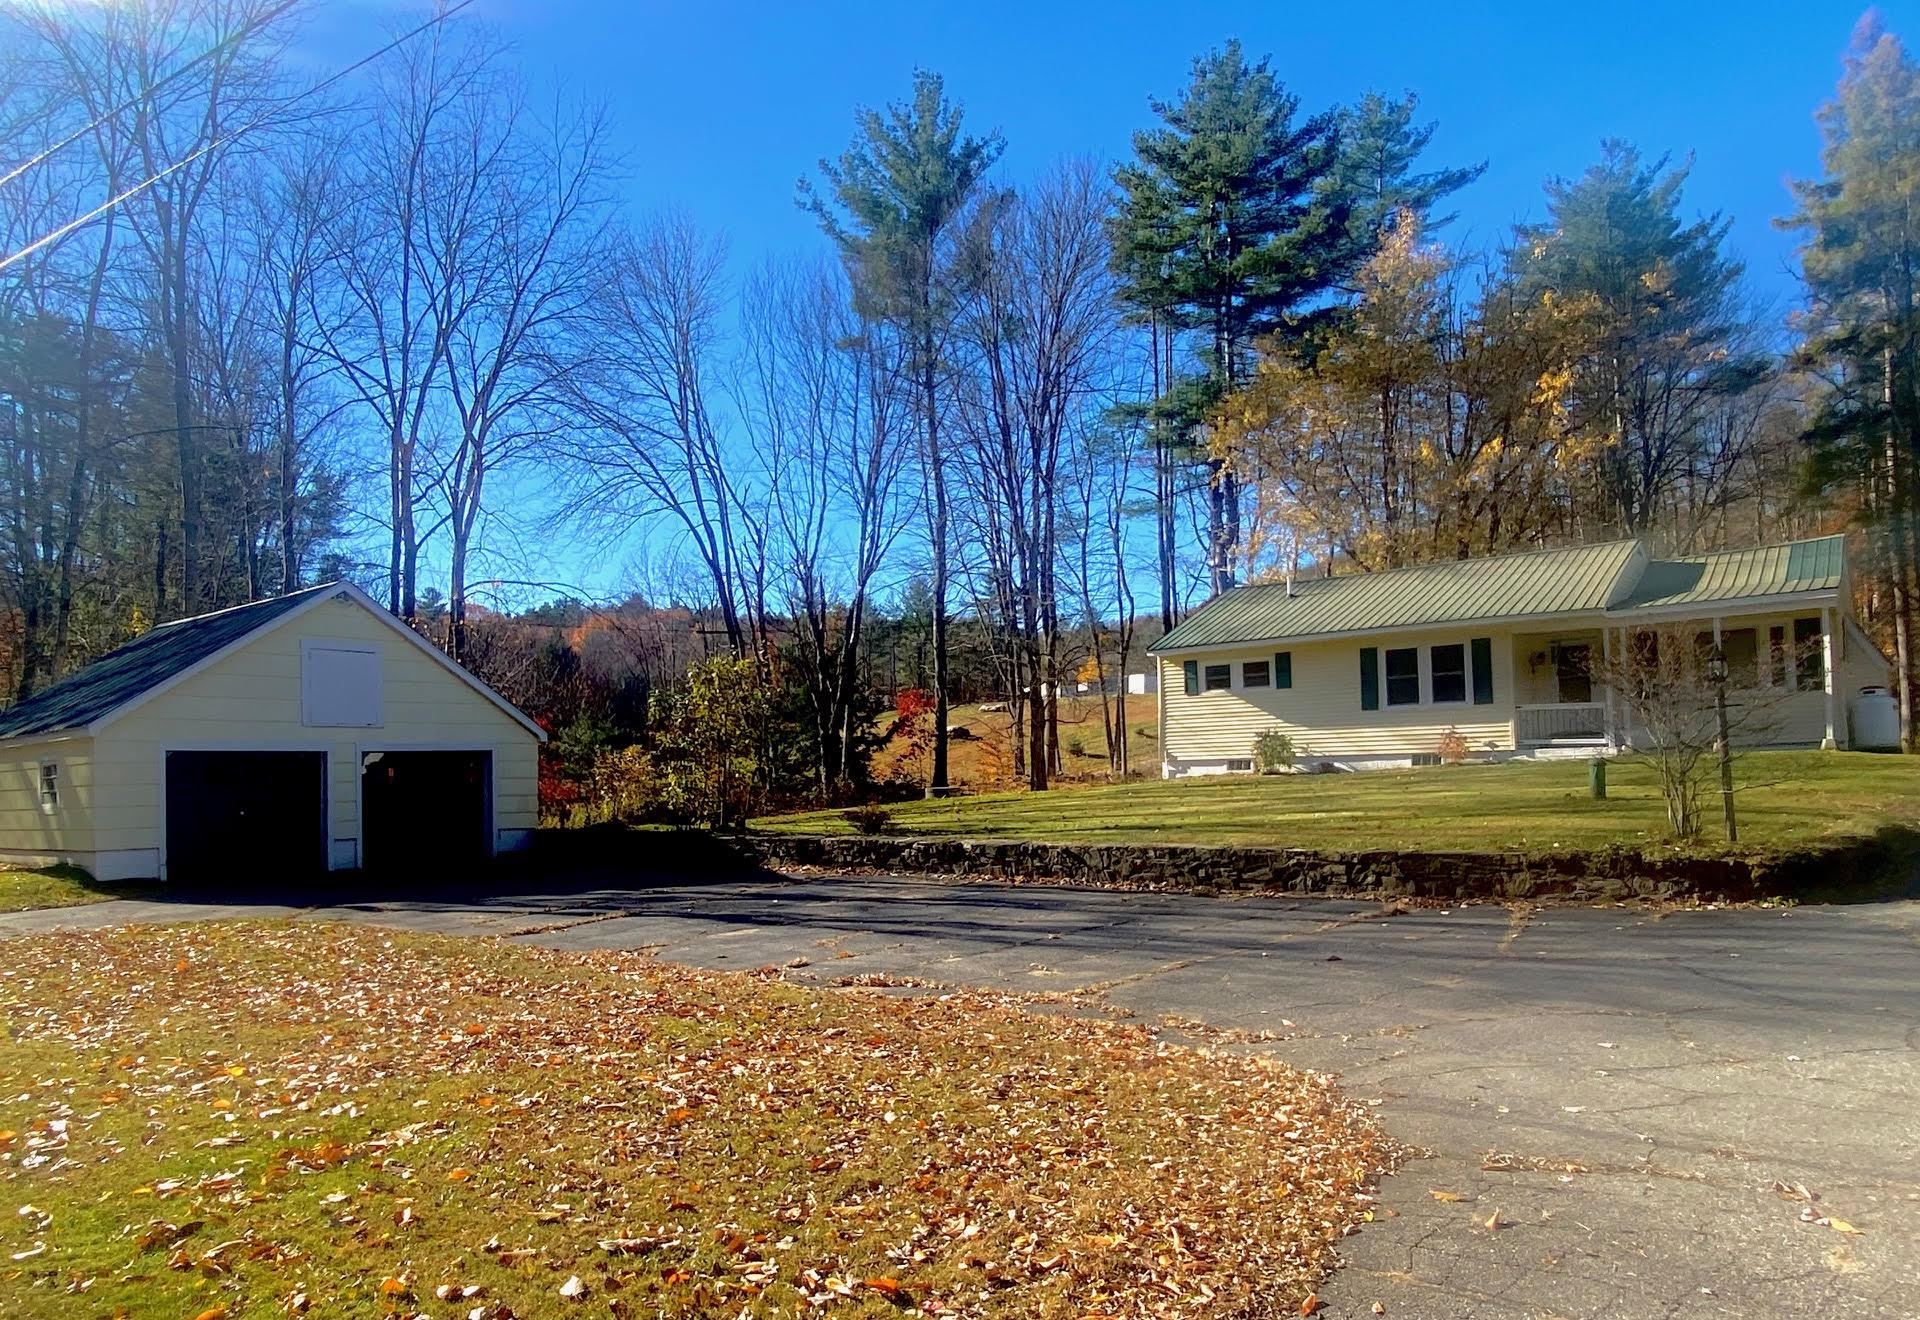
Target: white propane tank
[1875, 717]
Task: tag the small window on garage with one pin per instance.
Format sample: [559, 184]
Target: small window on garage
[1219, 677]
[340, 685]
[1254, 673]
[49, 785]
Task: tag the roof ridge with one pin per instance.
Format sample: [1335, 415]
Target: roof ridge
[1750, 549]
[1502, 557]
[244, 605]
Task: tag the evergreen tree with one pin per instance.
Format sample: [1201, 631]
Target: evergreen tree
[1863, 324]
[895, 201]
[1374, 172]
[1670, 326]
[1225, 228]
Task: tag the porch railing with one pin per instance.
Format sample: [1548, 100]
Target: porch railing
[1563, 721]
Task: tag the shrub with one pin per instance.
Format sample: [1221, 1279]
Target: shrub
[1272, 752]
[1452, 747]
[625, 785]
[1076, 746]
[869, 819]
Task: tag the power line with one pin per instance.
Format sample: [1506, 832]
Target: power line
[132, 101]
[227, 138]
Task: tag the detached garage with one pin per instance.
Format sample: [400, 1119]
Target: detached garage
[308, 733]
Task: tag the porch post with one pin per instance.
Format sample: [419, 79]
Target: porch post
[1606, 667]
[1826, 667]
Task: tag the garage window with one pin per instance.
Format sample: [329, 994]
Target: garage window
[49, 785]
[340, 685]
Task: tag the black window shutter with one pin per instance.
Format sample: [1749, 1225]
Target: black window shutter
[1369, 678]
[1283, 669]
[1483, 671]
[1191, 671]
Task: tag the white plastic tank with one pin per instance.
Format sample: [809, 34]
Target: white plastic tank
[1875, 719]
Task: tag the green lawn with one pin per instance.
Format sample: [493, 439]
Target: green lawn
[255, 1121]
[58, 886]
[1784, 799]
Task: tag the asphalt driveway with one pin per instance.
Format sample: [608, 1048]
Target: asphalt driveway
[1622, 1094]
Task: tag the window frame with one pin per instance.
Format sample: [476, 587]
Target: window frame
[1388, 678]
[1433, 675]
[1477, 675]
[49, 786]
[1809, 658]
[1207, 673]
[1264, 668]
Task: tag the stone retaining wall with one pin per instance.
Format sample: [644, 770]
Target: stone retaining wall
[1863, 868]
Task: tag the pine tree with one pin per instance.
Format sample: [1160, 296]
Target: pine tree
[1375, 175]
[894, 201]
[1227, 226]
[1863, 322]
[1669, 328]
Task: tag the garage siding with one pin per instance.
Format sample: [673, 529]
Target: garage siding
[1321, 712]
[251, 700]
[66, 833]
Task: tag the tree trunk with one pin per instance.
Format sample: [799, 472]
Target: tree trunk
[937, 781]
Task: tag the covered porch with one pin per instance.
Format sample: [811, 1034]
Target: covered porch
[1560, 698]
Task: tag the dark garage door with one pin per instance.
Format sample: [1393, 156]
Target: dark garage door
[261, 814]
[425, 810]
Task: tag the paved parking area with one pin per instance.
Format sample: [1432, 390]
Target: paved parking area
[1624, 1090]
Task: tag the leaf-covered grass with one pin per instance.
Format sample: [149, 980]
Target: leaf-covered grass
[59, 886]
[1783, 799]
[261, 1120]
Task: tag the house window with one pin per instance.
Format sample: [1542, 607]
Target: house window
[49, 785]
[1403, 676]
[1254, 673]
[1777, 656]
[1741, 647]
[1810, 663]
[1449, 670]
[1219, 677]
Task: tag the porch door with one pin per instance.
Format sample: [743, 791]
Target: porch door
[1573, 667]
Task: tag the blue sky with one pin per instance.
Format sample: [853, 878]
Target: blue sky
[720, 107]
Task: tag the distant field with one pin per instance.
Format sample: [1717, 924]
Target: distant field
[985, 760]
[1784, 799]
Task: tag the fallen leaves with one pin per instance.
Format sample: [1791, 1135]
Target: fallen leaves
[644, 1138]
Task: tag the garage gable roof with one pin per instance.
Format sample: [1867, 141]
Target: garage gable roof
[161, 657]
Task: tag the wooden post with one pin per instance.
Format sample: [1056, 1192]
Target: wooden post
[1606, 668]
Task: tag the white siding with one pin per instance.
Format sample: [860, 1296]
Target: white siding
[31, 835]
[1321, 711]
[251, 699]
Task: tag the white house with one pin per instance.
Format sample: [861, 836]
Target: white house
[310, 732]
[1371, 669]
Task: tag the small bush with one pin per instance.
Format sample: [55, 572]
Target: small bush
[1452, 748]
[869, 819]
[1076, 746]
[1272, 752]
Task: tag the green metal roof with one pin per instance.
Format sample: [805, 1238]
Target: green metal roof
[1578, 579]
[1767, 570]
[1586, 579]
